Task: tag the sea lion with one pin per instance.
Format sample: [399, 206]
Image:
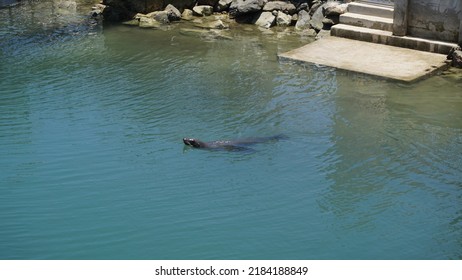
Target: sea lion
[231, 145]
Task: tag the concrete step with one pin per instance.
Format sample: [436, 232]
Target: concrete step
[367, 21]
[371, 10]
[387, 38]
[361, 33]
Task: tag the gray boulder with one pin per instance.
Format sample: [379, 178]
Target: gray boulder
[203, 10]
[456, 56]
[266, 20]
[334, 8]
[457, 59]
[172, 13]
[160, 16]
[317, 18]
[223, 5]
[187, 14]
[283, 19]
[303, 21]
[241, 7]
[286, 7]
[314, 6]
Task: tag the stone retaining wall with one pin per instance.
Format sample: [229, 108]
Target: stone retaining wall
[314, 15]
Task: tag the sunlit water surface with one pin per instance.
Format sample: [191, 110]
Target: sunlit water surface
[92, 164]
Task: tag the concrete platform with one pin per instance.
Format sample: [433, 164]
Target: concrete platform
[374, 59]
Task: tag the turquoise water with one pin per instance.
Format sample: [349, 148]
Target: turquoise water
[92, 164]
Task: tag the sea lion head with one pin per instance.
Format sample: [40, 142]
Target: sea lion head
[193, 143]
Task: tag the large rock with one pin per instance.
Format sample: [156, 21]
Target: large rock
[160, 16]
[203, 10]
[457, 59]
[283, 19]
[223, 5]
[286, 7]
[456, 56]
[241, 7]
[303, 21]
[334, 8]
[172, 12]
[266, 20]
[317, 18]
[314, 6]
[187, 14]
[154, 18]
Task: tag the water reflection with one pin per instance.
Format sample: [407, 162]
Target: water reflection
[91, 124]
[395, 149]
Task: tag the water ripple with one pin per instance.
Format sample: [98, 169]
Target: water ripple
[93, 165]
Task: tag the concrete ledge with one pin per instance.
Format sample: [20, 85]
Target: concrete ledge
[387, 38]
[372, 22]
[384, 61]
[361, 33]
[371, 10]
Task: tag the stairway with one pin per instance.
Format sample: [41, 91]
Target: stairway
[374, 23]
[369, 16]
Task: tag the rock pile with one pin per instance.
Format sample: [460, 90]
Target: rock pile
[305, 15]
[455, 55]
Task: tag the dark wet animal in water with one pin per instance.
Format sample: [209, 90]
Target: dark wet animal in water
[231, 145]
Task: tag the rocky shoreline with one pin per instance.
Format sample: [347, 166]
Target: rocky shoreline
[308, 16]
